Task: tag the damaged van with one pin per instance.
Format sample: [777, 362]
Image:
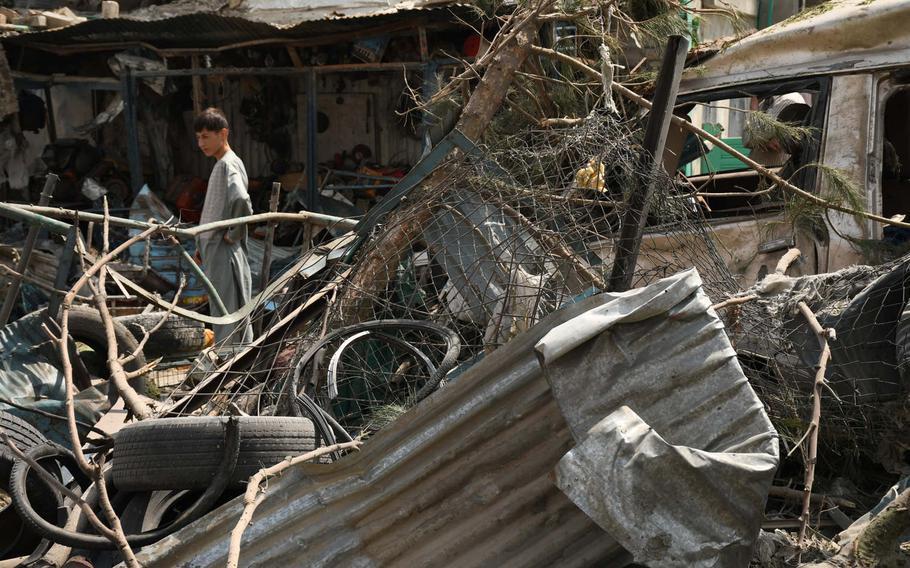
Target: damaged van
[839, 75]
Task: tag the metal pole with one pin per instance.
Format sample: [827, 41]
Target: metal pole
[46, 215]
[267, 253]
[633, 223]
[64, 265]
[51, 117]
[269, 237]
[130, 114]
[311, 125]
[27, 215]
[12, 292]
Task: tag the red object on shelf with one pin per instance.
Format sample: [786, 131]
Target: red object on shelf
[191, 198]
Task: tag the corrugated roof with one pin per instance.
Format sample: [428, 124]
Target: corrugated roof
[289, 13]
[194, 25]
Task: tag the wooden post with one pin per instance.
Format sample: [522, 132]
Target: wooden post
[629, 243]
[424, 49]
[198, 96]
[312, 111]
[12, 292]
[295, 57]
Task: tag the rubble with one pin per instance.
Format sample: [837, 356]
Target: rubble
[507, 354]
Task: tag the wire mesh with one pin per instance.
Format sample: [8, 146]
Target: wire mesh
[492, 242]
[864, 418]
[488, 245]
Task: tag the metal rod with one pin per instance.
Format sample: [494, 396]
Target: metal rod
[629, 243]
[344, 173]
[344, 68]
[12, 292]
[129, 92]
[64, 264]
[45, 216]
[311, 124]
[33, 80]
[20, 213]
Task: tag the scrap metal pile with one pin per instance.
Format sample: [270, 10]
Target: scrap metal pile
[461, 336]
[453, 382]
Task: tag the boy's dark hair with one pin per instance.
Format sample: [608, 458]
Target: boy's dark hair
[211, 119]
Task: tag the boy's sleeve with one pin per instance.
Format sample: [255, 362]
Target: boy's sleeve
[237, 205]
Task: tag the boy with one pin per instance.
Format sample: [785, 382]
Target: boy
[223, 252]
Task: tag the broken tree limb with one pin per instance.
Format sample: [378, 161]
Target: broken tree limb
[147, 333]
[785, 261]
[119, 376]
[734, 302]
[817, 498]
[823, 336]
[377, 268]
[551, 122]
[686, 125]
[62, 343]
[252, 497]
[781, 269]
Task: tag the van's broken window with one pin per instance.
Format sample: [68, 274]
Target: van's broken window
[777, 127]
[895, 161]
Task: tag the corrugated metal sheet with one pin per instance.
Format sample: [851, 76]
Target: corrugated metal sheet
[461, 480]
[189, 25]
[465, 478]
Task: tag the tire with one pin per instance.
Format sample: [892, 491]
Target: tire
[178, 335]
[184, 453]
[23, 434]
[86, 326]
[18, 539]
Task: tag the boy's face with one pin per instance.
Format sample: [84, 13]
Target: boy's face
[211, 141]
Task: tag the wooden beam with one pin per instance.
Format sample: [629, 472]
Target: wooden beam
[295, 57]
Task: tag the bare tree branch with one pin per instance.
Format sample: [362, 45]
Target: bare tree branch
[252, 498]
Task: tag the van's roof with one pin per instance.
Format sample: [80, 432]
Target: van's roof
[839, 36]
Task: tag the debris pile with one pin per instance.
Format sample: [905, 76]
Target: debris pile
[432, 293]
[456, 377]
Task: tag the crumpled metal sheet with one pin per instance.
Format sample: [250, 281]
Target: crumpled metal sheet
[676, 454]
[29, 377]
